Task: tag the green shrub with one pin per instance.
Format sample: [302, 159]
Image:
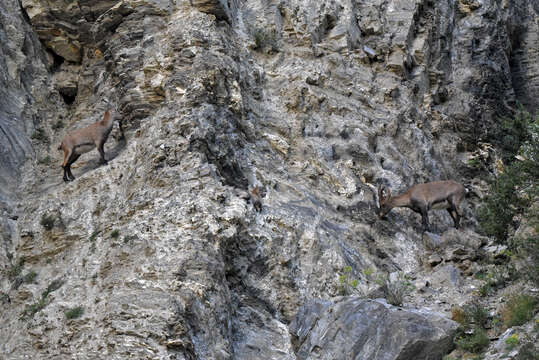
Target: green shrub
[58, 125]
[32, 309]
[115, 233]
[74, 313]
[395, 291]
[474, 342]
[347, 284]
[15, 270]
[129, 239]
[496, 213]
[39, 134]
[4, 298]
[476, 314]
[511, 193]
[45, 161]
[93, 236]
[47, 221]
[511, 342]
[513, 133]
[527, 352]
[30, 277]
[265, 39]
[473, 313]
[518, 310]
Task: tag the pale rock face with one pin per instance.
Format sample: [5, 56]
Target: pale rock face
[311, 101]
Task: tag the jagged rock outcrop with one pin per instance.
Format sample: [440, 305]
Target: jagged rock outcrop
[26, 102]
[353, 328]
[313, 102]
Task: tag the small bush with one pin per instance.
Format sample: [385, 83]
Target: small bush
[15, 270]
[473, 313]
[115, 233]
[528, 250]
[265, 39]
[53, 286]
[93, 236]
[458, 315]
[527, 352]
[511, 192]
[395, 291]
[518, 310]
[31, 310]
[128, 239]
[4, 298]
[347, 284]
[45, 161]
[39, 134]
[74, 313]
[511, 342]
[476, 313]
[30, 277]
[47, 221]
[474, 342]
[58, 125]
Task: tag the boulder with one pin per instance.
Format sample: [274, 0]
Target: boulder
[356, 328]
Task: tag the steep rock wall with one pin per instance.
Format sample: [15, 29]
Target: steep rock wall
[312, 102]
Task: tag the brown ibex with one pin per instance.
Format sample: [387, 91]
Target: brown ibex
[81, 141]
[421, 197]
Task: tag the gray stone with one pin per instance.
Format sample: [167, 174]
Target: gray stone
[163, 247]
[354, 328]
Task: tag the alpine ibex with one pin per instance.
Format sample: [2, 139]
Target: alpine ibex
[420, 198]
[80, 141]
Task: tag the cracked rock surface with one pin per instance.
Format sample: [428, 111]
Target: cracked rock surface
[313, 103]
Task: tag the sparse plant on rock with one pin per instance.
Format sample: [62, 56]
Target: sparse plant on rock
[511, 192]
[47, 221]
[347, 284]
[34, 308]
[265, 39]
[396, 290]
[518, 310]
[474, 341]
[39, 134]
[115, 234]
[15, 270]
[45, 160]
[511, 342]
[30, 277]
[58, 125]
[93, 236]
[74, 313]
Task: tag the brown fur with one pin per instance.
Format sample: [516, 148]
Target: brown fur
[422, 197]
[80, 141]
[255, 199]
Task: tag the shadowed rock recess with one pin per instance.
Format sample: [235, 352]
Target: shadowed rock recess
[314, 102]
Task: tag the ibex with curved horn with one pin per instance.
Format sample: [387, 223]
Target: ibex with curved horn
[80, 141]
[421, 197]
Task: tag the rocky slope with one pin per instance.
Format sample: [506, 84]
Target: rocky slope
[312, 102]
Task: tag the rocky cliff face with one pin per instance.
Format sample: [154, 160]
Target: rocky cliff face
[311, 102]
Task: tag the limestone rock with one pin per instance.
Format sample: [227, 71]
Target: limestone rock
[352, 328]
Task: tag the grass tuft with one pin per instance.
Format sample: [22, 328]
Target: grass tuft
[74, 313]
